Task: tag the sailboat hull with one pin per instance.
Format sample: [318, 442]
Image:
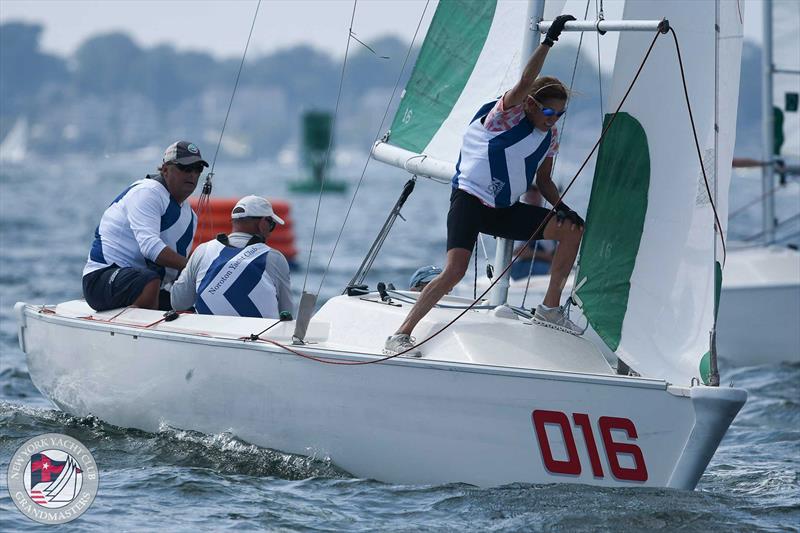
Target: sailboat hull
[759, 307]
[401, 421]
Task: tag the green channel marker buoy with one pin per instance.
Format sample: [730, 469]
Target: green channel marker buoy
[317, 136]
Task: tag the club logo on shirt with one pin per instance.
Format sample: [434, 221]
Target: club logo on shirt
[495, 187]
[52, 478]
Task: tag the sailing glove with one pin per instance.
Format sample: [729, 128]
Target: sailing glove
[563, 212]
[556, 28]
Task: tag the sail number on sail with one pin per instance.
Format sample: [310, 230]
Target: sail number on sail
[572, 464]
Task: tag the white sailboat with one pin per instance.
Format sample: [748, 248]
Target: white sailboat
[14, 147]
[495, 399]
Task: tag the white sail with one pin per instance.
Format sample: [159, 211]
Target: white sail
[646, 276]
[14, 147]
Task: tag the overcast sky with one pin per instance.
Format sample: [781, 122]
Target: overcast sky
[216, 26]
[221, 26]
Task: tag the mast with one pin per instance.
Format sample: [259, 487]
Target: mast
[713, 378]
[768, 127]
[505, 247]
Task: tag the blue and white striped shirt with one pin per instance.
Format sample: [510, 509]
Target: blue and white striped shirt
[499, 166]
[140, 222]
[241, 279]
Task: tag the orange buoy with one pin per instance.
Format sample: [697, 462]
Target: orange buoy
[216, 218]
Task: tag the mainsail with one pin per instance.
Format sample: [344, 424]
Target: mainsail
[647, 280]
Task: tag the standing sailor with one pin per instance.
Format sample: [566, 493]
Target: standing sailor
[145, 235]
[509, 143]
[238, 274]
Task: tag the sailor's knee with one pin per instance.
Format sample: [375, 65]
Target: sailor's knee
[148, 298]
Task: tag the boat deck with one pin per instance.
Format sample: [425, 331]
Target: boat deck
[359, 325]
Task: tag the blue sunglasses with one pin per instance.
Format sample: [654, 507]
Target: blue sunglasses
[548, 111]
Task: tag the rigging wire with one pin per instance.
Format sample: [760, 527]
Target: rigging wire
[758, 200]
[600, 16]
[562, 131]
[376, 138]
[235, 86]
[777, 225]
[571, 85]
[203, 204]
[328, 150]
[530, 274]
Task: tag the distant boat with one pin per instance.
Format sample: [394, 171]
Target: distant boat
[760, 305]
[14, 148]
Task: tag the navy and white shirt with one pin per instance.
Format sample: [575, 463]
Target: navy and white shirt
[499, 166]
[140, 222]
[240, 279]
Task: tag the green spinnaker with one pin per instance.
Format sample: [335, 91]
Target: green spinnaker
[614, 224]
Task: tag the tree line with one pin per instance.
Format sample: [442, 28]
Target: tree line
[113, 95]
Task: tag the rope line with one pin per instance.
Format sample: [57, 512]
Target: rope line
[718, 225]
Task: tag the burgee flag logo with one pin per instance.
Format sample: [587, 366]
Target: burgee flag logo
[52, 478]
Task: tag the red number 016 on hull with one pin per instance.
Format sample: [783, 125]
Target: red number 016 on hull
[572, 464]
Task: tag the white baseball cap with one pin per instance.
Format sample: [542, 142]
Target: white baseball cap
[254, 206]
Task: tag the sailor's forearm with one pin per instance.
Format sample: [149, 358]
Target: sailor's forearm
[549, 191]
[534, 66]
[170, 258]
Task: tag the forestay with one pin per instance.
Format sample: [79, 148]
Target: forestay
[646, 279]
[472, 54]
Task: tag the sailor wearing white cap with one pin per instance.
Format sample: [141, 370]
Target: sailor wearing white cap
[238, 274]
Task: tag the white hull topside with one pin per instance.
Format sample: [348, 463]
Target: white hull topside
[759, 307]
[533, 405]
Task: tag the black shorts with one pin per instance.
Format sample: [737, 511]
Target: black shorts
[468, 217]
[113, 287]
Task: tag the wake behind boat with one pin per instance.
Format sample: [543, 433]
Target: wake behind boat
[495, 398]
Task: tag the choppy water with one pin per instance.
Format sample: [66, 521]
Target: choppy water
[185, 481]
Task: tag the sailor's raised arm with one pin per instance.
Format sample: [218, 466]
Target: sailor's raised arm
[517, 94]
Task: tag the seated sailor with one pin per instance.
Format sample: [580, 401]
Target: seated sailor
[145, 235]
[238, 274]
